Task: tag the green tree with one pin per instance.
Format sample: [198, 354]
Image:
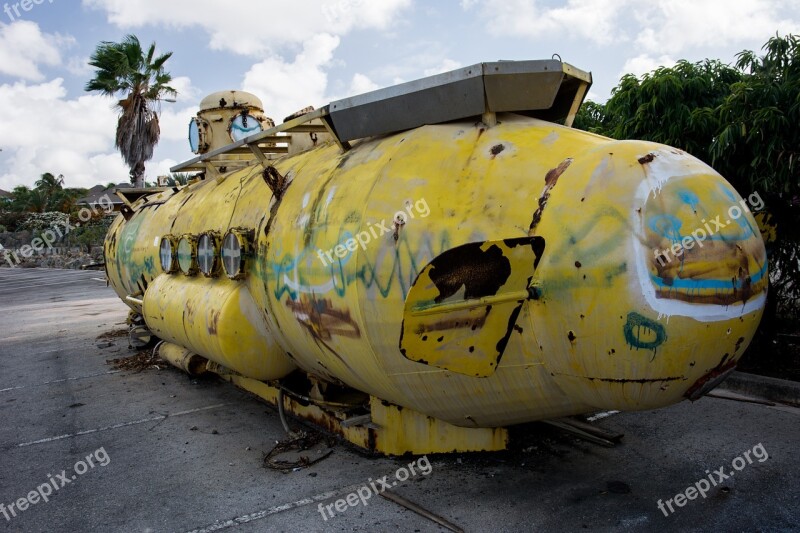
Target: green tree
[671, 105]
[50, 190]
[66, 200]
[19, 199]
[37, 201]
[591, 117]
[125, 69]
[49, 184]
[758, 147]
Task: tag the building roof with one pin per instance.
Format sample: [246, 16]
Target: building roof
[99, 192]
[5, 194]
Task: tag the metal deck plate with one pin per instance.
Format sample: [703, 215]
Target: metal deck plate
[519, 86]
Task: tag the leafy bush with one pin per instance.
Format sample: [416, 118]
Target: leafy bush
[12, 220]
[37, 222]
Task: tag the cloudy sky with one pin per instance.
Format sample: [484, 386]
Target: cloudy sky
[298, 53]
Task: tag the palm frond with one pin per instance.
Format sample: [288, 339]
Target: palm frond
[126, 70]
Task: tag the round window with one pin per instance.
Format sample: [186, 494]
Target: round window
[187, 255]
[207, 258]
[166, 254]
[233, 254]
[244, 125]
[194, 136]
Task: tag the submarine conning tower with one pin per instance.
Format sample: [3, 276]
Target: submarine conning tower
[225, 117]
[231, 116]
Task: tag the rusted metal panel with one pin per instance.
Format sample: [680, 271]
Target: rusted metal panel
[463, 306]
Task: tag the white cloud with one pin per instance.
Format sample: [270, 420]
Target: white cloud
[361, 84]
[79, 66]
[286, 87]
[424, 58]
[445, 66]
[186, 91]
[23, 48]
[672, 26]
[160, 168]
[43, 131]
[254, 27]
[644, 63]
[665, 27]
[594, 97]
[175, 123]
[593, 20]
[273, 31]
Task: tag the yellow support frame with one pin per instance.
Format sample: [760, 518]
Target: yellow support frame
[394, 430]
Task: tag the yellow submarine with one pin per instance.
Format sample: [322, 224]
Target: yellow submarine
[420, 267]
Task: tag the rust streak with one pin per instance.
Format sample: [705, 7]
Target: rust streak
[550, 180]
[443, 325]
[553, 174]
[652, 380]
[646, 159]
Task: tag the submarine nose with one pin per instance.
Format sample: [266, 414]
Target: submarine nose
[701, 264]
[654, 288]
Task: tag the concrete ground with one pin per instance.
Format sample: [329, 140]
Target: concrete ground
[170, 453]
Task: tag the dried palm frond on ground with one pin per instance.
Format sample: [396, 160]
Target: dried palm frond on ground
[143, 360]
[286, 457]
[113, 334]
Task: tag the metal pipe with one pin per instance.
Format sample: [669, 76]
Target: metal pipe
[131, 299]
[325, 403]
[180, 357]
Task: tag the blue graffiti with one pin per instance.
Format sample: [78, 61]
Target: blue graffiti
[734, 283]
[370, 275]
[690, 198]
[667, 226]
[643, 333]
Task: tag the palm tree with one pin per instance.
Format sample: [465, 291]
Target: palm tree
[50, 188]
[125, 69]
[37, 201]
[49, 183]
[179, 178]
[66, 200]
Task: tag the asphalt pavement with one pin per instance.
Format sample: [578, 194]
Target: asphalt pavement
[85, 447]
